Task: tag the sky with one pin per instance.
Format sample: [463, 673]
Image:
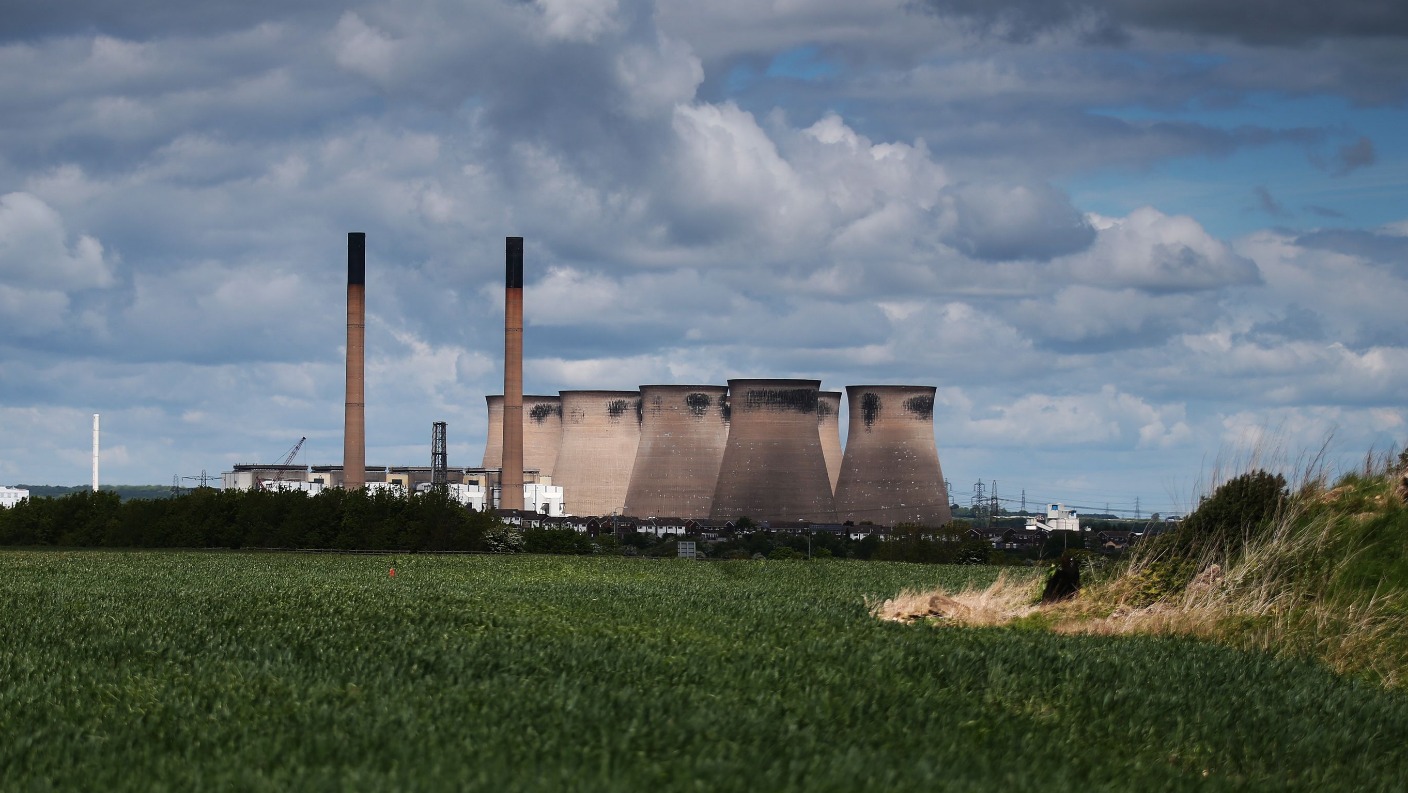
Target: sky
[1136, 245]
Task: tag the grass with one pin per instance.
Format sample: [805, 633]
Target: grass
[178, 671]
[1326, 578]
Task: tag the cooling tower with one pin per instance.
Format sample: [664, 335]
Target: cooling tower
[511, 477]
[683, 430]
[542, 432]
[600, 434]
[354, 428]
[828, 423]
[890, 472]
[773, 467]
[494, 438]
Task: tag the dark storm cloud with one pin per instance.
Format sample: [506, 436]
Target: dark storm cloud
[998, 223]
[146, 19]
[1269, 204]
[1258, 22]
[1375, 246]
[1353, 156]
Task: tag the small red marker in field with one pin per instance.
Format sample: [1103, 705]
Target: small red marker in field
[393, 572]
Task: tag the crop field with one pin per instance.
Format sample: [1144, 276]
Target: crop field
[247, 671]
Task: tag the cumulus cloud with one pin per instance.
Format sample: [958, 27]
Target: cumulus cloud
[1100, 418]
[578, 20]
[660, 75]
[1095, 318]
[1349, 279]
[995, 222]
[361, 48]
[1304, 428]
[36, 250]
[1151, 250]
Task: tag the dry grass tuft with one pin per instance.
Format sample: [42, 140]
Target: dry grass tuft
[997, 604]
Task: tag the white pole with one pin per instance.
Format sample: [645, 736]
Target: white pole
[95, 452]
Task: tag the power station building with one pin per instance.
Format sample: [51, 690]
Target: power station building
[766, 449]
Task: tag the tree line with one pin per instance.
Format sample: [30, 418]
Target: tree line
[209, 518]
[384, 521]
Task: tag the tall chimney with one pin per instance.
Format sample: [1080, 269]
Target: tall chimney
[95, 452]
[354, 432]
[511, 477]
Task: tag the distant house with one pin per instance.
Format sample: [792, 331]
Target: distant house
[709, 529]
[1009, 539]
[663, 527]
[993, 537]
[1114, 541]
[598, 525]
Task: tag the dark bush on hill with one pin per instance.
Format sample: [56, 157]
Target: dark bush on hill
[1239, 512]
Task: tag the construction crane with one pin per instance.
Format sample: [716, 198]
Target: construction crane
[292, 453]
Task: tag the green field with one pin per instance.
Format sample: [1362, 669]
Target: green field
[217, 670]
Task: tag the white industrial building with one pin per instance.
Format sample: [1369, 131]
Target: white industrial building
[284, 485]
[469, 487]
[1058, 518]
[541, 498]
[10, 496]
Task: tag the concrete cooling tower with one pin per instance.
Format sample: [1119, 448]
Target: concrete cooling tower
[683, 432]
[828, 418]
[774, 468]
[890, 472]
[600, 434]
[542, 432]
[494, 440]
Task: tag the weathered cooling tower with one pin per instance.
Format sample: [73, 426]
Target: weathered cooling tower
[494, 439]
[890, 472]
[828, 423]
[511, 476]
[354, 428]
[773, 467]
[683, 431]
[542, 432]
[600, 434]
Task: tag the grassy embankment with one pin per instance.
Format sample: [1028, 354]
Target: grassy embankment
[183, 671]
[1321, 572]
